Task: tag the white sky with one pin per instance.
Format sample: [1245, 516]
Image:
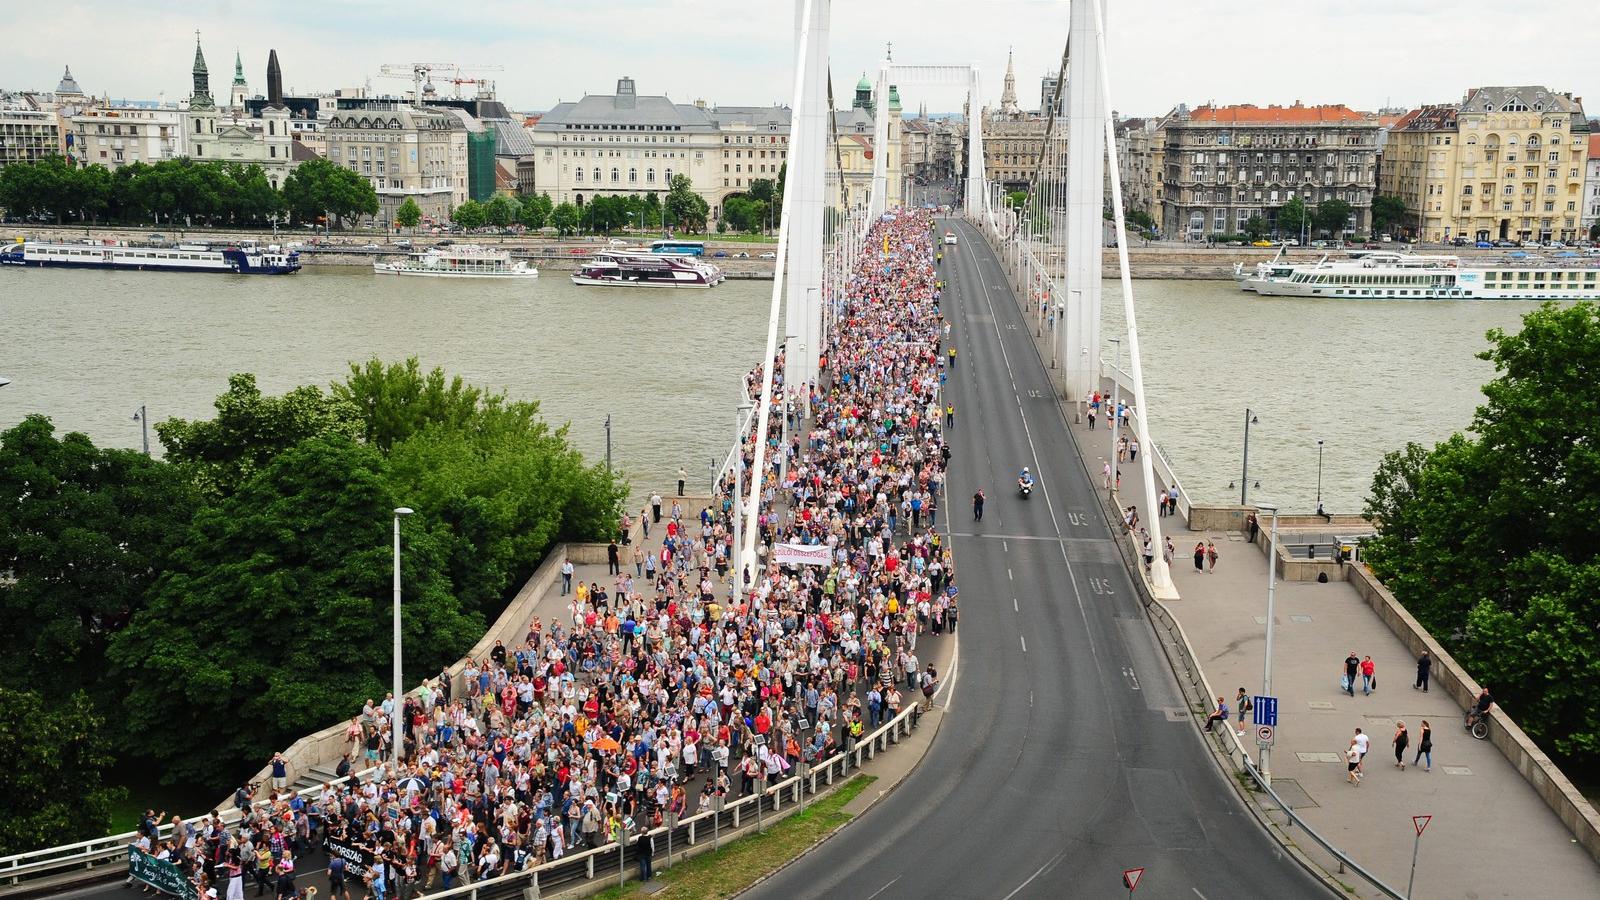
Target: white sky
[1365, 53]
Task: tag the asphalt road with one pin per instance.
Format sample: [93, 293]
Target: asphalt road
[1057, 765]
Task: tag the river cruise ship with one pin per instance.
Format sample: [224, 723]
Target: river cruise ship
[1405, 276]
[634, 268]
[234, 259]
[465, 261]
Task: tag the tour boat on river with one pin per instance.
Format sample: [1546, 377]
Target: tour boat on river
[1409, 276]
[235, 259]
[639, 268]
[465, 261]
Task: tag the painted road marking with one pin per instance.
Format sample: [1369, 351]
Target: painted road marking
[1014, 607]
[885, 887]
[1024, 643]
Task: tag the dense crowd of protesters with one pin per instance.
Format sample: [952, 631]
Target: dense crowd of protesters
[665, 687]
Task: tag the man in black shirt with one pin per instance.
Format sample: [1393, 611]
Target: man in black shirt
[1351, 664]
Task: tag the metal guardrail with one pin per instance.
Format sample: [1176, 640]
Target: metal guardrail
[106, 853]
[103, 858]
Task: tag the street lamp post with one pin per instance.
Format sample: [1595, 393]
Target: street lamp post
[1319, 477]
[143, 418]
[1266, 666]
[1244, 477]
[395, 727]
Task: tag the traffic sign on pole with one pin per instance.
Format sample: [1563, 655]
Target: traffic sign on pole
[1421, 823]
[1265, 736]
[1265, 710]
[1130, 878]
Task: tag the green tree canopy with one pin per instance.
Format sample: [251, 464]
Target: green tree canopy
[501, 210]
[564, 219]
[1490, 538]
[1333, 217]
[57, 755]
[685, 209]
[317, 187]
[1292, 217]
[83, 533]
[535, 211]
[1387, 212]
[469, 215]
[1254, 227]
[408, 214]
[250, 429]
[274, 615]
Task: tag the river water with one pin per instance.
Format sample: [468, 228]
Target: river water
[88, 348]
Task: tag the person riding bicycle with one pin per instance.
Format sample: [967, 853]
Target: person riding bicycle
[1480, 708]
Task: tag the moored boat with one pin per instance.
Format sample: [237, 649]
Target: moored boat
[1405, 276]
[234, 259]
[635, 268]
[464, 261]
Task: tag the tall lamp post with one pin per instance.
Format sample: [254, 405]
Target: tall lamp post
[143, 418]
[1244, 477]
[1319, 476]
[396, 728]
[1266, 666]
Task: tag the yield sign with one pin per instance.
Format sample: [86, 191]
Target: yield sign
[1130, 878]
[1421, 823]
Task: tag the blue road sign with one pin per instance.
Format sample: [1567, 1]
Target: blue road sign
[1266, 710]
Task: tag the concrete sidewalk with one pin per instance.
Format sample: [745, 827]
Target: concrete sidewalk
[1491, 835]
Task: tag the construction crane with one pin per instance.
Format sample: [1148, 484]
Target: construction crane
[420, 75]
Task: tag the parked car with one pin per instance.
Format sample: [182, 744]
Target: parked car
[1319, 245]
[402, 245]
[741, 255]
[617, 243]
[721, 254]
[370, 247]
[157, 238]
[1262, 243]
[1505, 244]
[446, 242]
[578, 251]
[1292, 242]
[1555, 245]
[769, 255]
[1372, 245]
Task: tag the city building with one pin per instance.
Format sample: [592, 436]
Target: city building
[755, 146]
[1505, 163]
[28, 134]
[625, 143]
[1013, 140]
[916, 148]
[1223, 165]
[1591, 190]
[232, 134]
[406, 151]
[1047, 95]
[114, 136]
[1140, 151]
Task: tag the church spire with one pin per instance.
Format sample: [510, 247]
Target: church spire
[201, 99]
[1008, 97]
[238, 69]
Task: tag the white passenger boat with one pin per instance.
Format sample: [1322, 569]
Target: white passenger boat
[234, 259]
[638, 268]
[1407, 276]
[464, 261]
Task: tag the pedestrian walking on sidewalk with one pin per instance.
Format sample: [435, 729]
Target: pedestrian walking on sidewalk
[1369, 680]
[1424, 670]
[655, 506]
[1211, 557]
[1401, 741]
[1253, 525]
[1425, 745]
[1352, 665]
[566, 577]
[1091, 417]
[950, 415]
[1200, 556]
[1168, 553]
[977, 505]
[613, 562]
[1352, 758]
[1245, 705]
[1363, 743]
[1133, 450]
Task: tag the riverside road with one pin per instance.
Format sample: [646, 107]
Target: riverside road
[1065, 756]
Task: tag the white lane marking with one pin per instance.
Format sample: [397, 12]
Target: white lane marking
[1009, 575]
[1047, 865]
[1072, 576]
[885, 887]
[948, 688]
[1014, 605]
[1197, 893]
[1004, 546]
[1024, 643]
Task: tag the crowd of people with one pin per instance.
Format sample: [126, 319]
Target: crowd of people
[671, 685]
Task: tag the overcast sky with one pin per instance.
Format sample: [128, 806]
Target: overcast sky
[1365, 53]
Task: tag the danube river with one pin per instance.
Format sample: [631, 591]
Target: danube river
[88, 348]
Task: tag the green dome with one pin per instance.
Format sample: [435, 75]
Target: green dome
[894, 97]
[863, 84]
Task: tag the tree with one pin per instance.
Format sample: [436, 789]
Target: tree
[501, 210]
[396, 401]
[1387, 212]
[1292, 217]
[57, 756]
[565, 219]
[1017, 199]
[83, 533]
[535, 212]
[1254, 227]
[251, 429]
[763, 190]
[470, 215]
[686, 209]
[409, 214]
[273, 616]
[1333, 217]
[1489, 538]
[317, 187]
